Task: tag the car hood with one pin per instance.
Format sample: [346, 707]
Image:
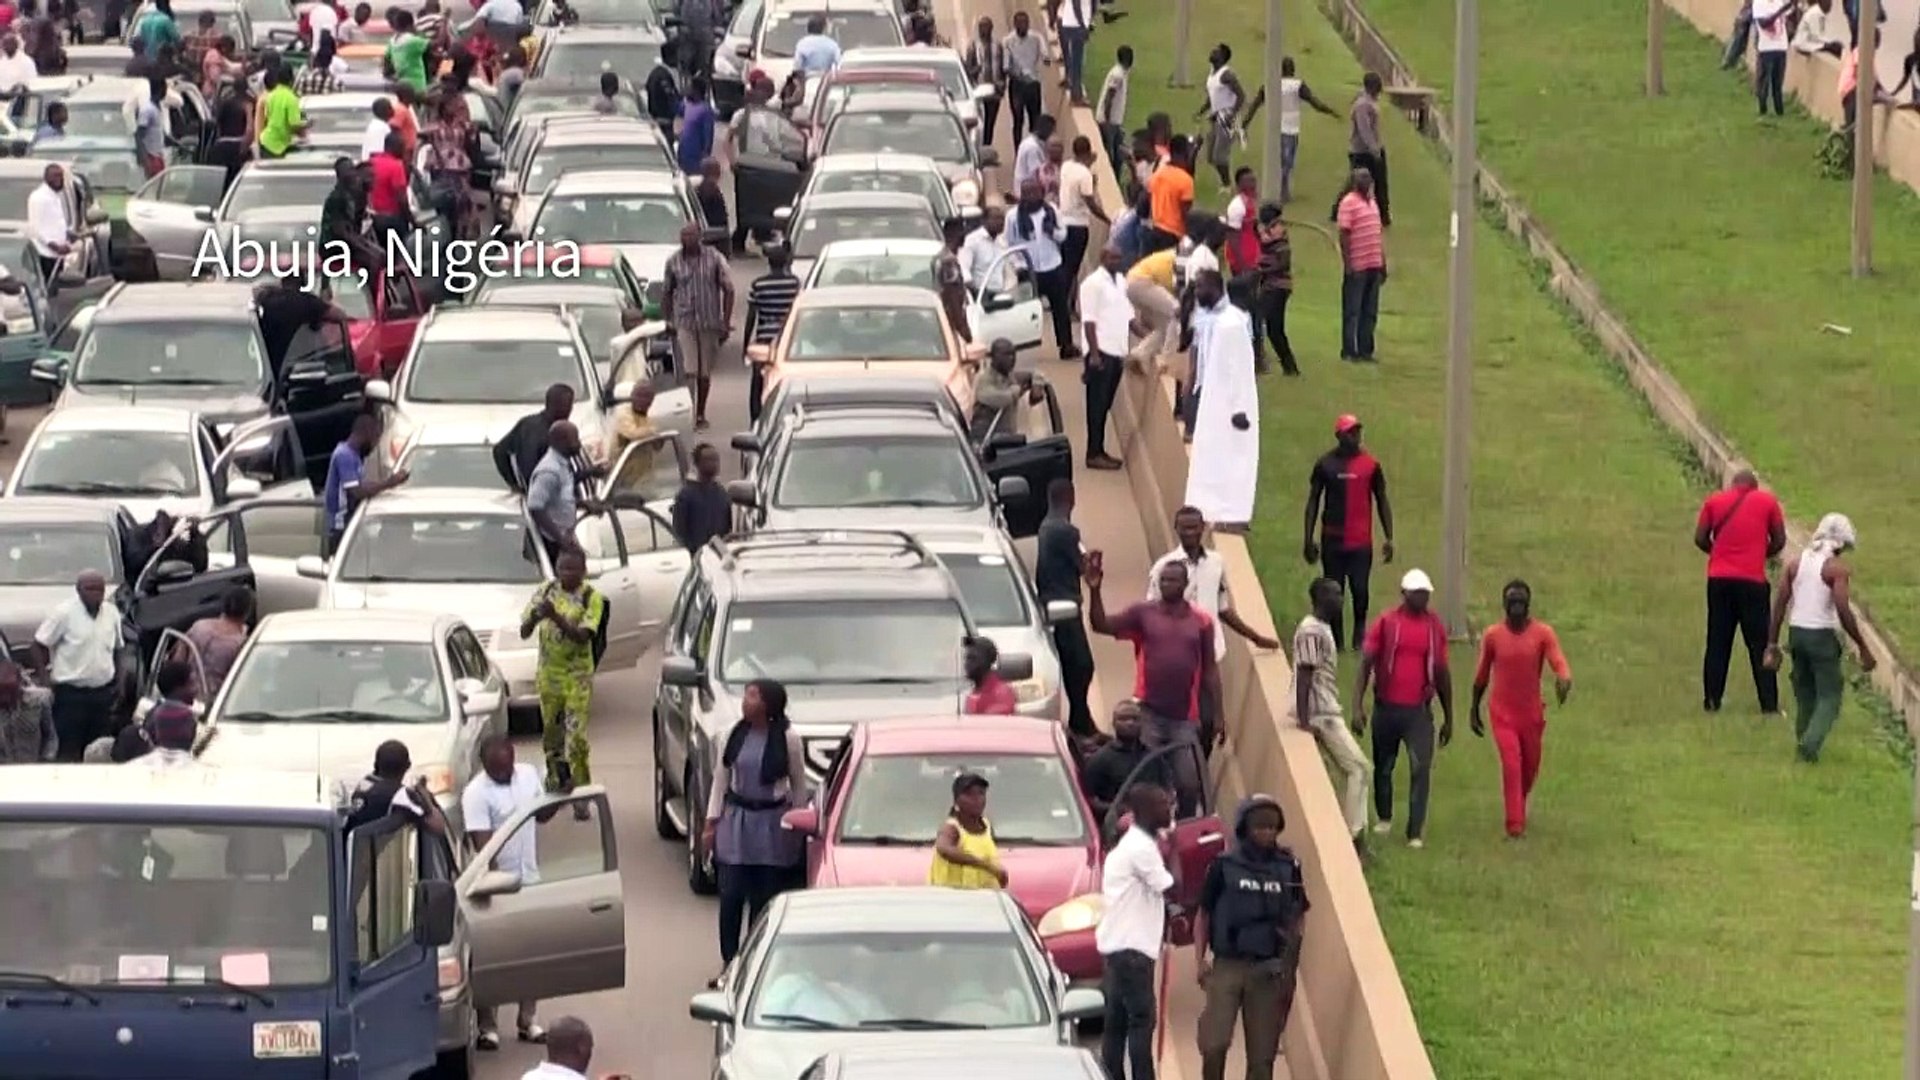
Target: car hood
[486, 608]
[648, 261]
[956, 171]
[341, 752]
[1041, 878]
[501, 416]
[24, 607]
[218, 404]
[763, 1054]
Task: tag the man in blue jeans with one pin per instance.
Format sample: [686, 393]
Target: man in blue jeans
[1363, 254]
[1073, 20]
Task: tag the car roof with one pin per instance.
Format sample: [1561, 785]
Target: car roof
[615, 182]
[164, 299]
[855, 391]
[643, 34]
[103, 88]
[623, 129]
[849, 296]
[957, 539]
[311, 163]
[784, 8]
[541, 293]
[894, 909]
[445, 500]
[909, 56]
[877, 423]
[455, 433]
[865, 200]
[369, 625]
[868, 248]
[844, 76]
[876, 163]
[902, 100]
[809, 564]
[953, 734]
[61, 509]
[199, 786]
[502, 322]
[123, 417]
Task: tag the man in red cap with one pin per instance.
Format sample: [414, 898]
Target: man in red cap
[1346, 484]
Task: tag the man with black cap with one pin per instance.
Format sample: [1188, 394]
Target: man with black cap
[1246, 941]
[384, 791]
[1343, 489]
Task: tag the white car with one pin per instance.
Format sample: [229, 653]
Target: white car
[1015, 315]
[945, 65]
[488, 367]
[1001, 597]
[474, 553]
[319, 691]
[639, 214]
[855, 24]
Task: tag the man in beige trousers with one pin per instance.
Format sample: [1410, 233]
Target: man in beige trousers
[1316, 699]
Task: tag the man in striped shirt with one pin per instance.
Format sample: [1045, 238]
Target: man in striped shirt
[769, 300]
[1363, 254]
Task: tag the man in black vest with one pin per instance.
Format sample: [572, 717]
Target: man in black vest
[384, 791]
[1246, 941]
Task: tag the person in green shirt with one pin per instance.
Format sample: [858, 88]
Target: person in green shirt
[406, 59]
[282, 121]
[157, 27]
[570, 618]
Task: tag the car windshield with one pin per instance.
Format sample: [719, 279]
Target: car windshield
[818, 228]
[915, 270]
[328, 119]
[581, 60]
[1030, 798]
[97, 118]
[487, 549]
[994, 593]
[923, 182]
[455, 466]
[877, 471]
[336, 682]
[852, 29]
[533, 102]
[110, 168]
[448, 372]
[33, 553]
[170, 353]
[613, 13]
[930, 134]
[867, 333]
[164, 903]
[14, 191]
[110, 462]
[261, 189]
[549, 163]
[843, 641]
[349, 296]
[861, 980]
[531, 273]
[612, 219]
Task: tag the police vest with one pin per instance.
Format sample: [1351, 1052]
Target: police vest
[1260, 901]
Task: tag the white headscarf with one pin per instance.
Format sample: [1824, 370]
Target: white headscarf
[1834, 532]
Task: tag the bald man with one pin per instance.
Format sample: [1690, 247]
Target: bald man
[550, 489]
[76, 651]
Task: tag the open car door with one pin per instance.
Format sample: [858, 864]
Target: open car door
[270, 536]
[1014, 314]
[768, 167]
[640, 489]
[321, 388]
[563, 932]
[174, 645]
[166, 219]
[1194, 839]
[1040, 456]
[54, 365]
[398, 307]
[187, 579]
[610, 570]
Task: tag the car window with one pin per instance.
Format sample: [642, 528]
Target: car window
[325, 345]
[565, 61]
[110, 462]
[469, 465]
[550, 163]
[991, 587]
[383, 909]
[448, 548]
[818, 228]
[451, 372]
[865, 980]
[867, 333]
[937, 135]
[914, 270]
[38, 553]
[846, 641]
[468, 654]
[259, 189]
[873, 472]
[852, 29]
[170, 353]
[349, 296]
[336, 682]
[283, 531]
[1031, 798]
[613, 219]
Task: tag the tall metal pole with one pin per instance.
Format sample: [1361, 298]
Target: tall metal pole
[1270, 159]
[1455, 499]
[1912, 1070]
[1656, 47]
[1864, 86]
[1182, 26]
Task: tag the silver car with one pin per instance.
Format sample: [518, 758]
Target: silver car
[1001, 597]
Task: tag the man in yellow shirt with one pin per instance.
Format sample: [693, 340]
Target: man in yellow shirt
[282, 122]
[1150, 288]
[631, 424]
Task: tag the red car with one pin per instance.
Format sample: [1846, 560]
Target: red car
[884, 800]
[383, 314]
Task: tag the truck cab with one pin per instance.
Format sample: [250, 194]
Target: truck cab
[194, 921]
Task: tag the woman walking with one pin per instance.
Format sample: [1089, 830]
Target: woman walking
[761, 775]
[1816, 602]
[964, 854]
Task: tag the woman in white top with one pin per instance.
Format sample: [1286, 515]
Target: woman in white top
[1815, 602]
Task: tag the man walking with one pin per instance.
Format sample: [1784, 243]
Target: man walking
[1024, 53]
[515, 456]
[570, 618]
[1363, 257]
[1815, 602]
[1030, 156]
[27, 732]
[1221, 108]
[698, 301]
[1079, 205]
[347, 485]
[1511, 655]
[502, 789]
[75, 652]
[1739, 528]
[552, 501]
[1111, 111]
[769, 301]
[1057, 570]
[1247, 933]
[1343, 490]
[1207, 591]
[1109, 323]
[1365, 148]
[1134, 881]
[1316, 699]
[1407, 648]
[1072, 19]
[986, 64]
[701, 509]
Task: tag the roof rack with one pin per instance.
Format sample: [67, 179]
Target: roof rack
[795, 540]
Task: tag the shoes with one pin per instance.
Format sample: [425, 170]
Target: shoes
[1383, 826]
[1103, 462]
[488, 1041]
[532, 1033]
[1416, 843]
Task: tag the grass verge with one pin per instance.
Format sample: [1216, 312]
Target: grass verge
[1689, 902]
[1712, 233]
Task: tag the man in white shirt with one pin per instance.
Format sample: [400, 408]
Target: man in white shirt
[1109, 322]
[501, 790]
[1770, 53]
[1073, 21]
[76, 651]
[569, 1052]
[1110, 112]
[983, 248]
[1031, 155]
[16, 68]
[1134, 882]
[47, 226]
[323, 18]
[1814, 35]
[1206, 590]
[1079, 204]
[374, 139]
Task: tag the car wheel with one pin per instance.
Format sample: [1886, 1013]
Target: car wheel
[662, 821]
[454, 1064]
[700, 875]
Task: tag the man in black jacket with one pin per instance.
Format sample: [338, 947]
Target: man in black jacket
[1107, 768]
[1246, 941]
[517, 454]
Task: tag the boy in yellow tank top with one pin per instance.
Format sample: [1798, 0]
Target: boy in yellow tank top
[964, 855]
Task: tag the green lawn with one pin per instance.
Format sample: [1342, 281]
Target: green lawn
[1690, 903]
[1712, 233]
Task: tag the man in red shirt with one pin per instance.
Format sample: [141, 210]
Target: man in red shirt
[990, 695]
[387, 192]
[1740, 528]
[1511, 656]
[1343, 490]
[1407, 647]
[1174, 664]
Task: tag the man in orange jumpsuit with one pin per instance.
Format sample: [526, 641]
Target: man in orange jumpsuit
[1512, 653]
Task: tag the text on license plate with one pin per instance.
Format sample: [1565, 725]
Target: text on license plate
[291, 1039]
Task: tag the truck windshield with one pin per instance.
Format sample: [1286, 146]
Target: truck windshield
[126, 903]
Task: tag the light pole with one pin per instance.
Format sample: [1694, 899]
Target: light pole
[1865, 87]
[1182, 26]
[1656, 48]
[1455, 499]
[1271, 164]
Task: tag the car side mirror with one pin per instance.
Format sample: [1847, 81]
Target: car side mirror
[746, 442]
[741, 493]
[171, 572]
[783, 214]
[96, 216]
[759, 353]
[681, 671]
[1062, 611]
[805, 821]
[989, 157]
[495, 883]
[1005, 440]
[434, 906]
[1082, 1003]
[984, 91]
[504, 185]
[744, 50]
[1012, 489]
[243, 487]
[380, 390]
[480, 703]
[971, 213]
[311, 566]
[203, 214]
[51, 370]
[1014, 667]
[710, 1007]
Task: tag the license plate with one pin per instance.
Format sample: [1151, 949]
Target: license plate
[291, 1039]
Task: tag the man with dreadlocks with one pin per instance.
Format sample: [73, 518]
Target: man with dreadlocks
[1816, 602]
[1511, 656]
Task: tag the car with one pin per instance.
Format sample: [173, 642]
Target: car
[1015, 315]
[564, 97]
[490, 366]
[583, 52]
[26, 106]
[891, 467]
[251, 22]
[732, 56]
[319, 691]
[98, 143]
[1000, 595]
[640, 214]
[633, 146]
[45, 542]
[823, 95]
[451, 455]
[598, 12]
[338, 121]
[841, 330]
[18, 179]
[471, 552]
[595, 264]
[910, 173]
[27, 317]
[150, 458]
[944, 64]
[829, 392]
[623, 345]
[909, 122]
[384, 308]
[853, 23]
[856, 623]
[921, 968]
[875, 215]
[970, 1063]
[198, 345]
[107, 58]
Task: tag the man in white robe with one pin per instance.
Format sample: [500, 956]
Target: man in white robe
[1224, 467]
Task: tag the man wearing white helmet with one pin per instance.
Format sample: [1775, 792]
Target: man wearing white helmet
[1406, 648]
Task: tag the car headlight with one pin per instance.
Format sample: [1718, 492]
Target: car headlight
[439, 779]
[1077, 914]
[1028, 691]
[966, 193]
[452, 973]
